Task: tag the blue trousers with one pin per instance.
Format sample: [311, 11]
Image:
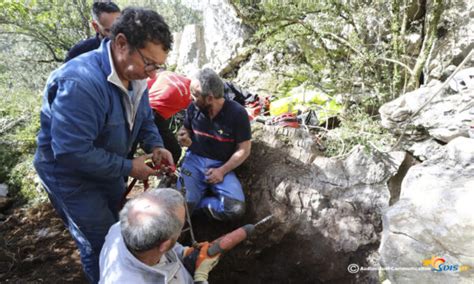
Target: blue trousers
[88, 212]
[223, 201]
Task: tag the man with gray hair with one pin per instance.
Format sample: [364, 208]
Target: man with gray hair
[142, 247]
[217, 134]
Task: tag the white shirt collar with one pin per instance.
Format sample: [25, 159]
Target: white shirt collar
[139, 86]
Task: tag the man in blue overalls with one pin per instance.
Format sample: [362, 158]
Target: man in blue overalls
[217, 132]
[95, 106]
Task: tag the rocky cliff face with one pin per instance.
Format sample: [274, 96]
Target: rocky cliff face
[433, 218]
[432, 223]
[448, 115]
[218, 43]
[328, 212]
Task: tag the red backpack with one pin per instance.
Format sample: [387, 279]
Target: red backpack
[169, 93]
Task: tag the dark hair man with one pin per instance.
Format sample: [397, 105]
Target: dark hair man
[94, 108]
[217, 132]
[143, 248]
[104, 15]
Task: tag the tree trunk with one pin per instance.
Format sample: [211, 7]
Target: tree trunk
[432, 17]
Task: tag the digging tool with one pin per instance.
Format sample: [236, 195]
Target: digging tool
[233, 238]
[195, 244]
[223, 244]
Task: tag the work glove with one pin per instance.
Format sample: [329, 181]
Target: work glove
[204, 264]
[198, 263]
[190, 256]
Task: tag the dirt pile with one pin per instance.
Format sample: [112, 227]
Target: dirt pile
[35, 247]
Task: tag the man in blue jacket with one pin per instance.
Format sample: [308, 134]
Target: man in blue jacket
[94, 107]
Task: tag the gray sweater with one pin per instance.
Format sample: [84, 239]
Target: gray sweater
[118, 265]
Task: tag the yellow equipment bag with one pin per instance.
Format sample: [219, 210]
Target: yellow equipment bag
[281, 106]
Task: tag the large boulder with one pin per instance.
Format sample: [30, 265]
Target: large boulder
[191, 50]
[224, 34]
[433, 218]
[218, 43]
[447, 116]
[255, 77]
[425, 149]
[326, 211]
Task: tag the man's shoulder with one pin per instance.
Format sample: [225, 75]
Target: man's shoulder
[235, 108]
[81, 69]
[87, 43]
[82, 47]
[114, 233]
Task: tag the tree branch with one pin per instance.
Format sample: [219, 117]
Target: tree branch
[84, 19]
[397, 62]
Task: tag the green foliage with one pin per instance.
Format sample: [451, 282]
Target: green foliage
[54, 25]
[35, 36]
[350, 47]
[176, 14]
[293, 78]
[357, 128]
[23, 181]
[19, 125]
[354, 50]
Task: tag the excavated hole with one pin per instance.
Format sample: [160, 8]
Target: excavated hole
[284, 250]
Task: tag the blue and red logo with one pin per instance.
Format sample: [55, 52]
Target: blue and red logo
[439, 264]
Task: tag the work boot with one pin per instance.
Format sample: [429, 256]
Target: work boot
[233, 209]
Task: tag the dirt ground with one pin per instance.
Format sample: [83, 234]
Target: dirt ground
[35, 247]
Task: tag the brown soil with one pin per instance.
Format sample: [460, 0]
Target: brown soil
[35, 247]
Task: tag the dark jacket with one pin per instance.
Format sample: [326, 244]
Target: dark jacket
[83, 47]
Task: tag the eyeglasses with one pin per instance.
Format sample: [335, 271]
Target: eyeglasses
[150, 66]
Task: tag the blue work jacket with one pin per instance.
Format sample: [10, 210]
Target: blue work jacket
[88, 125]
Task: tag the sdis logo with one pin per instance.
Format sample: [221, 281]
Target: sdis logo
[439, 264]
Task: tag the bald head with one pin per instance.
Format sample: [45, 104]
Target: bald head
[151, 218]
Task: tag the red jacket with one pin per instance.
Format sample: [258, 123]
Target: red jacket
[169, 93]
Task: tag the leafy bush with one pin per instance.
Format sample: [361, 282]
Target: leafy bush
[353, 50]
[357, 128]
[19, 125]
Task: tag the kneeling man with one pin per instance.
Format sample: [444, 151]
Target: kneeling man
[217, 134]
